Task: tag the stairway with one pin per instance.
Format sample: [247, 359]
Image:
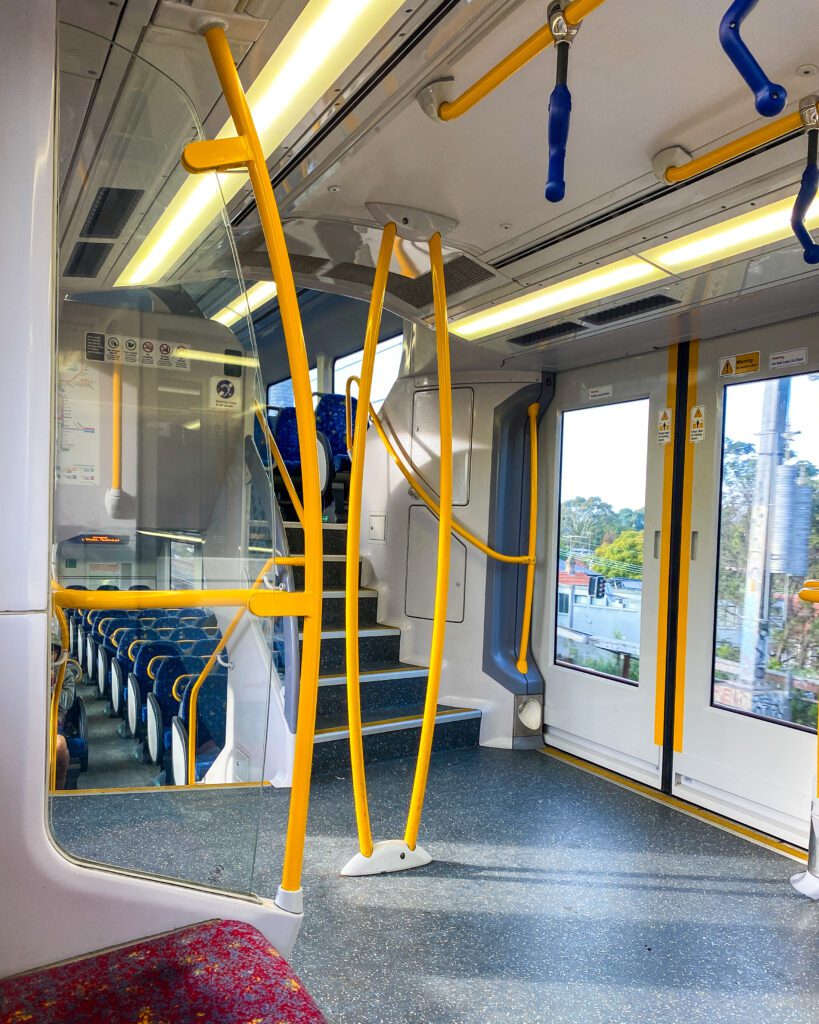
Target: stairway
[392, 694]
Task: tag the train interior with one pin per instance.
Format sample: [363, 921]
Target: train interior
[570, 563]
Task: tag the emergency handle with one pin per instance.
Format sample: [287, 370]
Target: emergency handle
[560, 109]
[804, 201]
[770, 98]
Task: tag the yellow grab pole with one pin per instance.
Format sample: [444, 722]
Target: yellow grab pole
[116, 428]
[739, 147]
[247, 151]
[54, 710]
[522, 664]
[436, 655]
[263, 603]
[432, 504]
[528, 49]
[282, 468]
[359, 439]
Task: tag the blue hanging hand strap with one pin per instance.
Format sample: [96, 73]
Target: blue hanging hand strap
[560, 103]
[769, 97]
[804, 201]
[560, 111]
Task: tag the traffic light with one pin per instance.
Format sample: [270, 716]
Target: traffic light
[597, 586]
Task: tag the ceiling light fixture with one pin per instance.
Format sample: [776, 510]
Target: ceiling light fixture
[322, 43]
[245, 303]
[733, 237]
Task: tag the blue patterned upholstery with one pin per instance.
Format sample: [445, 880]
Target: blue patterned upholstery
[123, 641]
[287, 438]
[168, 672]
[145, 653]
[211, 717]
[331, 420]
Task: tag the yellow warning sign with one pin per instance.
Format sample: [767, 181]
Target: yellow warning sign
[697, 431]
[664, 426]
[734, 366]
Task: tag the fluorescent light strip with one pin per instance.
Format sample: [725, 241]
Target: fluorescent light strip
[172, 536]
[245, 303]
[729, 238]
[557, 298]
[324, 40]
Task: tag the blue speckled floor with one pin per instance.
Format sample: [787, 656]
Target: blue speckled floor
[555, 897]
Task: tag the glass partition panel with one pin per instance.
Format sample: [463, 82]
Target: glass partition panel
[161, 762]
[602, 504]
[766, 641]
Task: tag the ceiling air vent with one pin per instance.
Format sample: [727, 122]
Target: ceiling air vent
[548, 333]
[110, 211]
[629, 309]
[460, 273]
[87, 258]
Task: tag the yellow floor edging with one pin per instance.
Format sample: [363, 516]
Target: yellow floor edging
[710, 817]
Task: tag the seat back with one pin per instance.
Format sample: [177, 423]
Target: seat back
[331, 420]
[287, 435]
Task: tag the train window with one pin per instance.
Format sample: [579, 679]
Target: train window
[385, 373]
[600, 539]
[280, 394]
[766, 641]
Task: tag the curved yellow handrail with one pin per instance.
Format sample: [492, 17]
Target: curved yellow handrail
[528, 49]
[55, 698]
[357, 447]
[282, 468]
[430, 502]
[175, 688]
[265, 604]
[246, 151]
[436, 654]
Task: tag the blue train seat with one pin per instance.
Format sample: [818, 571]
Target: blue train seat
[331, 420]
[139, 682]
[103, 647]
[211, 724]
[162, 703]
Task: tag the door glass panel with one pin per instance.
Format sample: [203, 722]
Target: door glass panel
[602, 505]
[766, 641]
[158, 486]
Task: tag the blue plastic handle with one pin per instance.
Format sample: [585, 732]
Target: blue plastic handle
[560, 112]
[807, 194]
[770, 98]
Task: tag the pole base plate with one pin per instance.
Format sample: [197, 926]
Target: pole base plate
[391, 855]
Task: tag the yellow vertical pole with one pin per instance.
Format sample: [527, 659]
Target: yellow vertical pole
[55, 697]
[250, 153]
[362, 813]
[116, 428]
[444, 541]
[526, 625]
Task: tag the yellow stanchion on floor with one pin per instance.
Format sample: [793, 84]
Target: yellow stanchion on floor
[398, 854]
[245, 151]
[359, 444]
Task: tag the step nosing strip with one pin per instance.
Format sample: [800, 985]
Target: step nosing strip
[377, 675]
[396, 724]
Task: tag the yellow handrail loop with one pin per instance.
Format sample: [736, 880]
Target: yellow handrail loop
[357, 446]
[245, 151]
[54, 709]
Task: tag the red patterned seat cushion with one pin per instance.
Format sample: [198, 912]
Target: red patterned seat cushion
[219, 972]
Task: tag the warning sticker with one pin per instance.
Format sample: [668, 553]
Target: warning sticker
[697, 431]
[225, 393]
[664, 420]
[117, 348]
[735, 366]
[604, 391]
[792, 357]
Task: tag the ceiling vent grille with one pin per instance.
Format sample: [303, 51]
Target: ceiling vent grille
[460, 273]
[630, 309]
[87, 258]
[110, 211]
[548, 333]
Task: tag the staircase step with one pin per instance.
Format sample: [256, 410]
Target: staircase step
[396, 686]
[335, 538]
[333, 608]
[335, 568]
[389, 738]
[376, 644]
